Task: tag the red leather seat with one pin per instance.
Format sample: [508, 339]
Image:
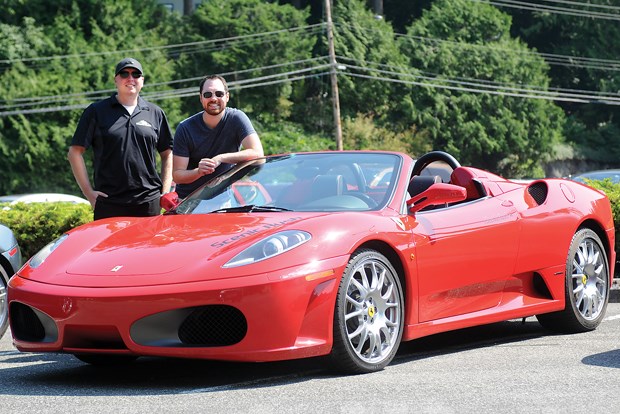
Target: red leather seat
[464, 177]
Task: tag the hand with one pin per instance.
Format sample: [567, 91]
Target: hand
[92, 197]
[207, 166]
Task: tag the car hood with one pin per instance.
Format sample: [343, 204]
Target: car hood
[179, 249]
[168, 243]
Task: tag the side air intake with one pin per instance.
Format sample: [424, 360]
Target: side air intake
[538, 191]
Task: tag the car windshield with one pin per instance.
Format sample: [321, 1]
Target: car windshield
[337, 181]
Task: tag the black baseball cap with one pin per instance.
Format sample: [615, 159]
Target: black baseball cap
[128, 63]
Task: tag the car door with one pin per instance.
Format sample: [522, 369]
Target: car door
[465, 254]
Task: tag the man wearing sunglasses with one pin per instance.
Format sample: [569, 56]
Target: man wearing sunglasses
[126, 133]
[213, 139]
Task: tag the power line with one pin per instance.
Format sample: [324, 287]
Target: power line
[180, 46]
[425, 75]
[551, 59]
[172, 94]
[94, 95]
[289, 76]
[476, 90]
[421, 78]
[582, 4]
[550, 9]
[480, 87]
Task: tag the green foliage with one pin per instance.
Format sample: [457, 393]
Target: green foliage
[290, 137]
[362, 133]
[270, 101]
[612, 191]
[34, 145]
[508, 135]
[365, 46]
[600, 143]
[37, 224]
[63, 53]
[595, 42]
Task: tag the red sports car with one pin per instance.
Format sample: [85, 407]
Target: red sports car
[308, 254]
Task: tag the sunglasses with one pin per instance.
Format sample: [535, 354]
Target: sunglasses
[124, 74]
[219, 94]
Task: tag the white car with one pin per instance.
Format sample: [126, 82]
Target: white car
[42, 198]
[10, 262]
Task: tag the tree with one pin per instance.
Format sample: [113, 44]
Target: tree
[67, 61]
[458, 43]
[368, 53]
[592, 44]
[249, 40]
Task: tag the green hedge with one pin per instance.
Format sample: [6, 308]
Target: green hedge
[613, 193]
[37, 224]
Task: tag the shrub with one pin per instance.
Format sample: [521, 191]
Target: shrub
[37, 224]
[613, 193]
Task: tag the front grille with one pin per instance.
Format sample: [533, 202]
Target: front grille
[538, 191]
[25, 325]
[213, 325]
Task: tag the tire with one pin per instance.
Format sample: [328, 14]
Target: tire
[368, 316]
[4, 302]
[106, 360]
[587, 286]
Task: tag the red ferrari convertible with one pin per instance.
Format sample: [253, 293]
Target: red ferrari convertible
[336, 254]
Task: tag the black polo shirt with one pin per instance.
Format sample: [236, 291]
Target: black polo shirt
[125, 148]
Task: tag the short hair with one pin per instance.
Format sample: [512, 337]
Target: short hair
[213, 77]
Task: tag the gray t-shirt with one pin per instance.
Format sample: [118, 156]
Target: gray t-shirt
[195, 140]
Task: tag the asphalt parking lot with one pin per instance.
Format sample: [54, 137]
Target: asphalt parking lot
[614, 292]
[515, 366]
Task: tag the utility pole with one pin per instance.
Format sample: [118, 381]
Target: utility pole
[188, 7]
[378, 7]
[333, 75]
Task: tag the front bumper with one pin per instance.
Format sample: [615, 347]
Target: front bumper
[254, 318]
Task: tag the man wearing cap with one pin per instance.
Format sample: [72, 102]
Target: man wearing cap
[126, 133]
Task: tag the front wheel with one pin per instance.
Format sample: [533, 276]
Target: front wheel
[587, 286]
[369, 313]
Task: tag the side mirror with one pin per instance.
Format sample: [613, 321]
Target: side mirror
[169, 201]
[436, 194]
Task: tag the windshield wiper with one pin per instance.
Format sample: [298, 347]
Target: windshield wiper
[249, 209]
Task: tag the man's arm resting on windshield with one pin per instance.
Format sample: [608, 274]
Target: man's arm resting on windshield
[252, 148]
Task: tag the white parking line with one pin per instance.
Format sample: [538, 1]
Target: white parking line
[612, 318]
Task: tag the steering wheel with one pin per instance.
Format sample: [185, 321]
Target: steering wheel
[431, 157]
[365, 198]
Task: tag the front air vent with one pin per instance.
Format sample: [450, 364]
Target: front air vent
[213, 325]
[25, 324]
[538, 191]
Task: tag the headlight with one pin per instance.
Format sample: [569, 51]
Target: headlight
[269, 247]
[40, 257]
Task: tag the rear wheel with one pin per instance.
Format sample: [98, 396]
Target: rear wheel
[587, 286]
[369, 313]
